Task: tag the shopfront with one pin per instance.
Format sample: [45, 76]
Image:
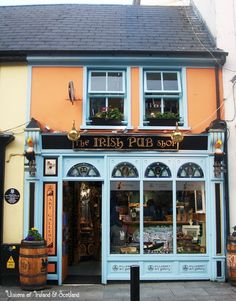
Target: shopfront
[105, 209]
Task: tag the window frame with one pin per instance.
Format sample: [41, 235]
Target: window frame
[90, 92]
[125, 94]
[168, 94]
[162, 81]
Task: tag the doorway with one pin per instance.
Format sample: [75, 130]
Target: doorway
[81, 243]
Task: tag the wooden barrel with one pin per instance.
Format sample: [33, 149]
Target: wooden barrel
[231, 259]
[33, 265]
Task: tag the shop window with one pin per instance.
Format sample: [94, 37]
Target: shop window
[124, 217]
[190, 217]
[83, 170]
[190, 170]
[157, 170]
[162, 98]
[106, 98]
[125, 169]
[158, 218]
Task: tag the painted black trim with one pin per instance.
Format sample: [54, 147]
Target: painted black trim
[31, 204]
[218, 269]
[60, 141]
[218, 221]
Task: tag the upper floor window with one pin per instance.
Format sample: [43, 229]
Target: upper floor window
[106, 98]
[162, 98]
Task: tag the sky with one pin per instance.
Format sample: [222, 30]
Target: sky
[145, 2]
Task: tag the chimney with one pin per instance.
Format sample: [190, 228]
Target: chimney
[136, 2]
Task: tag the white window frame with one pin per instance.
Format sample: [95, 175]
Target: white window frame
[125, 94]
[182, 94]
[107, 91]
[162, 82]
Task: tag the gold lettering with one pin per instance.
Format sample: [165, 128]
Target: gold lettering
[131, 141]
[149, 142]
[166, 143]
[99, 142]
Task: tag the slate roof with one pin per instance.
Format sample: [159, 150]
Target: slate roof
[102, 28]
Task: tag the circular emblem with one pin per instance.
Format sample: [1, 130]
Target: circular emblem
[12, 196]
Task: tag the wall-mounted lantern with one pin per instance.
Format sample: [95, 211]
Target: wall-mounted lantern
[73, 134]
[177, 136]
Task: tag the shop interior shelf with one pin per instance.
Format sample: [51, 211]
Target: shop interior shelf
[155, 222]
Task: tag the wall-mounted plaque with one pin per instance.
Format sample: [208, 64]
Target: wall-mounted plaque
[12, 196]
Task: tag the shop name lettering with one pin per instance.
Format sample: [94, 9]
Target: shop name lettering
[130, 142]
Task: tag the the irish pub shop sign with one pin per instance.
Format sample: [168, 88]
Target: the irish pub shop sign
[115, 142]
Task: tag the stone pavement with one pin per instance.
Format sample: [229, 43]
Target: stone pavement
[155, 291]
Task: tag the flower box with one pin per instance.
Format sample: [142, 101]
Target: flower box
[105, 121]
[162, 121]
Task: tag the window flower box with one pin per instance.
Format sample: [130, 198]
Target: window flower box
[162, 122]
[162, 119]
[105, 121]
[107, 116]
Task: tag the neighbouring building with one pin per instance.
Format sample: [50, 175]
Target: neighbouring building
[221, 21]
[127, 140]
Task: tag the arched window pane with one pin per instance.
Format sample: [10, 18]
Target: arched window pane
[190, 170]
[125, 170]
[157, 170]
[83, 170]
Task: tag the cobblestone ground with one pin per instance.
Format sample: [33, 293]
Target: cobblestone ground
[158, 291]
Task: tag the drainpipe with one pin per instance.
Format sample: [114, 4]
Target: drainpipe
[217, 91]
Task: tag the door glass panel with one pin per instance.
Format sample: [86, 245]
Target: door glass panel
[124, 217]
[158, 217]
[191, 217]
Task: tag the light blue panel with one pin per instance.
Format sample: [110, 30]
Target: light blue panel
[154, 267]
[166, 160]
[116, 160]
[194, 268]
[26, 208]
[98, 162]
[127, 61]
[120, 270]
[59, 222]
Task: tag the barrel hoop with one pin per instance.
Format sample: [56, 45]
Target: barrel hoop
[33, 256]
[33, 247]
[33, 276]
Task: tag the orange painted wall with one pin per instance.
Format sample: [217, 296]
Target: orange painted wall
[49, 93]
[135, 97]
[201, 95]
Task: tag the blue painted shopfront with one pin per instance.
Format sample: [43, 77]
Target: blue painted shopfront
[187, 242]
